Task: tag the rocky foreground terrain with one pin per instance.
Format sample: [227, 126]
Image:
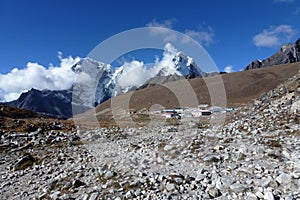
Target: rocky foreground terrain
[256, 155]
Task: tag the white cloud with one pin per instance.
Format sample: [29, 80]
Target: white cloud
[164, 24]
[136, 73]
[204, 37]
[10, 96]
[167, 60]
[274, 36]
[228, 69]
[37, 76]
[163, 29]
[170, 49]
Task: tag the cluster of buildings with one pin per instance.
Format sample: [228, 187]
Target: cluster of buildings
[178, 113]
[202, 110]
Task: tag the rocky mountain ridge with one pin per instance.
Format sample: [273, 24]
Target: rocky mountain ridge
[289, 53]
[55, 104]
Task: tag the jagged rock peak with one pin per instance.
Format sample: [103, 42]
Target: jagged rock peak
[288, 53]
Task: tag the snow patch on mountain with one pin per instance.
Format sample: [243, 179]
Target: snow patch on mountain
[93, 83]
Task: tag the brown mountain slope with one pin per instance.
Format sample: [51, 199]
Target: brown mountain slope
[241, 88]
[16, 113]
[21, 120]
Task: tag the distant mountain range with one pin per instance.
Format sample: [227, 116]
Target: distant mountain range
[109, 82]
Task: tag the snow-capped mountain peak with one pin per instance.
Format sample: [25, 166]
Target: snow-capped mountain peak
[181, 65]
[110, 81]
[93, 82]
[90, 67]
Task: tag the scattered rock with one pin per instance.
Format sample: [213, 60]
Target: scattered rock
[214, 192]
[284, 179]
[170, 187]
[109, 174]
[129, 194]
[94, 196]
[77, 183]
[238, 188]
[211, 158]
[259, 194]
[168, 147]
[250, 196]
[269, 196]
[55, 195]
[24, 162]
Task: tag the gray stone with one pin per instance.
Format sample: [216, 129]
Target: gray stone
[289, 198]
[238, 188]
[250, 196]
[109, 174]
[264, 182]
[218, 148]
[137, 192]
[200, 177]
[211, 158]
[295, 107]
[269, 196]
[170, 187]
[259, 194]
[257, 103]
[178, 180]
[214, 192]
[205, 196]
[129, 194]
[24, 162]
[94, 196]
[284, 179]
[77, 183]
[160, 160]
[168, 147]
[55, 195]
[84, 197]
[64, 197]
[227, 181]
[249, 181]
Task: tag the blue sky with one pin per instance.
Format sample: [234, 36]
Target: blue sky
[233, 32]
